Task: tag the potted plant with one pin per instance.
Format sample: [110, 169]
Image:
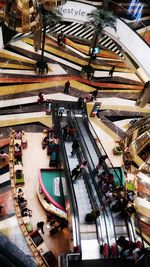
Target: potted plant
[48, 18]
[98, 19]
[117, 150]
[87, 72]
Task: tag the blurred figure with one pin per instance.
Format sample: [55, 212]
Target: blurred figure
[94, 94]
[92, 216]
[26, 212]
[40, 226]
[4, 156]
[89, 97]
[75, 146]
[80, 102]
[76, 172]
[130, 250]
[59, 39]
[111, 72]
[64, 39]
[65, 132]
[71, 133]
[41, 98]
[17, 148]
[18, 134]
[61, 110]
[67, 87]
[83, 166]
[100, 162]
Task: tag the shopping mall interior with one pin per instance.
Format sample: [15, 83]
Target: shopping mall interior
[74, 133]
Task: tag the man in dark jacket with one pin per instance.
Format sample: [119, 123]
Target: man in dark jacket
[75, 146]
[76, 172]
[67, 87]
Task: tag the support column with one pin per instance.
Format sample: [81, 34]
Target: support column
[145, 98]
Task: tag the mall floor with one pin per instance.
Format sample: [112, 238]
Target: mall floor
[19, 109]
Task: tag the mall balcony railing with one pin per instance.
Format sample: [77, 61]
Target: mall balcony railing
[121, 10]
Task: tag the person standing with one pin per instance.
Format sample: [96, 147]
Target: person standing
[65, 132]
[80, 102]
[83, 167]
[71, 133]
[76, 172]
[61, 111]
[59, 39]
[100, 162]
[111, 72]
[75, 146]
[94, 94]
[89, 97]
[92, 216]
[63, 39]
[67, 87]
[40, 226]
[41, 98]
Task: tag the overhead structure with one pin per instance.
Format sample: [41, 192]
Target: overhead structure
[136, 150]
[49, 4]
[22, 15]
[49, 16]
[25, 16]
[136, 144]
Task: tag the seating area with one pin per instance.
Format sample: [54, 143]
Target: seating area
[38, 241]
[51, 143]
[19, 176]
[34, 239]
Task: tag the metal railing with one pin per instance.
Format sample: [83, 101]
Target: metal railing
[73, 203]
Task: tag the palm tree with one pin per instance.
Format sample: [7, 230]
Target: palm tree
[99, 19]
[48, 19]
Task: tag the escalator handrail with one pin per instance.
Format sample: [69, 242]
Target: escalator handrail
[89, 184]
[128, 220]
[86, 180]
[87, 121]
[69, 186]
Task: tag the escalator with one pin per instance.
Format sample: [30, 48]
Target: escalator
[109, 226]
[90, 233]
[116, 224]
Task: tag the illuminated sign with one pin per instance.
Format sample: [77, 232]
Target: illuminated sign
[135, 8]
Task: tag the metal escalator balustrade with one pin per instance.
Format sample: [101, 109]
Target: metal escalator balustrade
[113, 222]
[88, 147]
[85, 204]
[126, 229]
[73, 209]
[83, 244]
[126, 222]
[102, 220]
